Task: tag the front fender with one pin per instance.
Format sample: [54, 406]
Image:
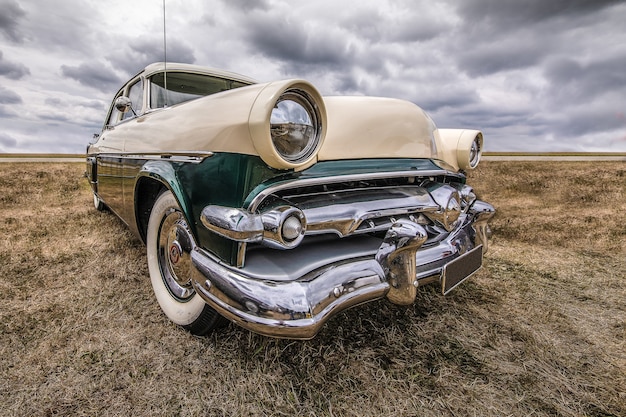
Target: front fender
[152, 177]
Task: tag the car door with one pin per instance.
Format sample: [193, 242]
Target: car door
[113, 172]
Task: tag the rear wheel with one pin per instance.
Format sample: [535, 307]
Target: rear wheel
[169, 245]
[98, 204]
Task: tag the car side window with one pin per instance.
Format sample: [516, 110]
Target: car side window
[135, 94]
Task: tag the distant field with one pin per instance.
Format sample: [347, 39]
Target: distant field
[539, 331]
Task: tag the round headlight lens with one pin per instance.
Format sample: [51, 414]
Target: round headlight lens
[475, 152]
[294, 126]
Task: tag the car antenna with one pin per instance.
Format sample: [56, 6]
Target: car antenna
[164, 56]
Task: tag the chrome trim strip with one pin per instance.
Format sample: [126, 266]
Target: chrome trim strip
[307, 182]
[176, 156]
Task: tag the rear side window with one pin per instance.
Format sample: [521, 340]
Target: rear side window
[183, 87]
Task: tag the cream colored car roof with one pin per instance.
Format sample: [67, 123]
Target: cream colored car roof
[198, 69]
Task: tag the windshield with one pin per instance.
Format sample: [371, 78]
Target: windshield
[182, 86]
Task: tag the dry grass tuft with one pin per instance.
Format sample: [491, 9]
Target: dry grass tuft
[541, 330]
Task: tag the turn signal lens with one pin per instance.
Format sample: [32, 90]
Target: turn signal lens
[284, 227]
[292, 227]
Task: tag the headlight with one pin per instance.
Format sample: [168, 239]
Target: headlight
[469, 149]
[287, 124]
[294, 126]
[462, 148]
[475, 151]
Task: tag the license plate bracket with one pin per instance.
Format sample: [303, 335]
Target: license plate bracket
[460, 269]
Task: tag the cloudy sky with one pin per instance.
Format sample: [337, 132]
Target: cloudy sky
[534, 75]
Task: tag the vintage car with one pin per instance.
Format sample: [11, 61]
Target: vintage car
[276, 208]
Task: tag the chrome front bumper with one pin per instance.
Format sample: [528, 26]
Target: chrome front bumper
[291, 294]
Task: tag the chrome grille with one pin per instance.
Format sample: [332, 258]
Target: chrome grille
[360, 206]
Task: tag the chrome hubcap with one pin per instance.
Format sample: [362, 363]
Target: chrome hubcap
[174, 252]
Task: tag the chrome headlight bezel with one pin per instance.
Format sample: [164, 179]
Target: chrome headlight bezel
[470, 149]
[287, 124]
[295, 123]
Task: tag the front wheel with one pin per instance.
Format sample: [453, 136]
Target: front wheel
[169, 245]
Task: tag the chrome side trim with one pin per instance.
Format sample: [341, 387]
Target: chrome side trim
[177, 156]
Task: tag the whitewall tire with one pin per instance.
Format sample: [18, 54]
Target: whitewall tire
[98, 204]
[169, 244]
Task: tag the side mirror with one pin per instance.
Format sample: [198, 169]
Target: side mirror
[123, 104]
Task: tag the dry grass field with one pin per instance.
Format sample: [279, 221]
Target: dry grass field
[540, 331]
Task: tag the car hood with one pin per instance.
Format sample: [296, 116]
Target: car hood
[373, 127]
[356, 127]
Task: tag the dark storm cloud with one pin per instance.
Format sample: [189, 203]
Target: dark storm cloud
[490, 57]
[247, 6]
[573, 81]
[500, 35]
[138, 53]
[12, 70]
[487, 118]
[510, 14]
[9, 97]
[452, 99]
[93, 74]
[92, 104]
[10, 19]
[295, 45]
[586, 121]
[375, 26]
[67, 27]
